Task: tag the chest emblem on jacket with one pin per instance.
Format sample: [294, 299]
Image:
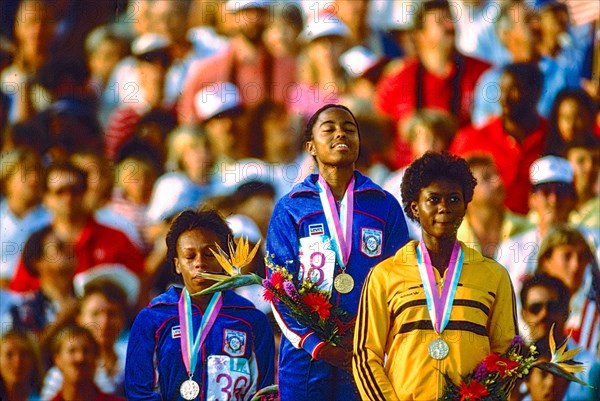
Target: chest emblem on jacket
[235, 342]
[371, 242]
[316, 229]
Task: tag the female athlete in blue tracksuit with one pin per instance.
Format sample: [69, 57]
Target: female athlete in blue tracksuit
[233, 362]
[300, 238]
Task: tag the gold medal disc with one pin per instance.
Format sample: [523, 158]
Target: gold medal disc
[343, 283]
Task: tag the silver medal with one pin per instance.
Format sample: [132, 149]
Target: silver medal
[438, 349]
[189, 390]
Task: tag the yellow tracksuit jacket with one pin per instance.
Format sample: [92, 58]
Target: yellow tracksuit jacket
[393, 327]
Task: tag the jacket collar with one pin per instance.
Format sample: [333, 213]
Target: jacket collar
[361, 184]
[407, 255]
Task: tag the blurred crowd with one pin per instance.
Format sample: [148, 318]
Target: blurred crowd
[116, 115]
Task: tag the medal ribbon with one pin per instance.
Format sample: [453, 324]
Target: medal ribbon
[189, 350]
[439, 306]
[339, 228]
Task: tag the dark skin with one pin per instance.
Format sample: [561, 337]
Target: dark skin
[335, 145]
[440, 210]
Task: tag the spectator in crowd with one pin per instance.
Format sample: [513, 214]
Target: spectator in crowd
[276, 140]
[573, 116]
[282, 30]
[101, 310]
[93, 243]
[152, 56]
[34, 31]
[52, 263]
[552, 199]
[565, 254]
[403, 351]
[245, 62]
[518, 29]
[235, 332]
[136, 174]
[363, 70]
[219, 108]
[309, 366]
[104, 48]
[21, 211]
[584, 157]
[355, 15]
[426, 130]
[100, 179]
[75, 352]
[439, 77]
[320, 78]
[20, 367]
[488, 222]
[557, 41]
[545, 301]
[516, 138]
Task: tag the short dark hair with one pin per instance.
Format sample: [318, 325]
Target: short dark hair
[425, 7]
[33, 250]
[192, 219]
[67, 333]
[313, 119]
[434, 166]
[544, 280]
[67, 168]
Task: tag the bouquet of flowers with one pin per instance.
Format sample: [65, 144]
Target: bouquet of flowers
[309, 305]
[497, 374]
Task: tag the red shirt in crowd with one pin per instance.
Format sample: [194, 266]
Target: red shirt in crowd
[512, 158]
[97, 245]
[413, 87]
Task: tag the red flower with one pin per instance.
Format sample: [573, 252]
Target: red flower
[496, 363]
[318, 303]
[268, 295]
[472, 391]
[277, 280]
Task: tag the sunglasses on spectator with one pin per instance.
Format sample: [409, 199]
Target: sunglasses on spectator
[551, 306]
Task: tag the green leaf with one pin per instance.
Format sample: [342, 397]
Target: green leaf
[558, 371]
[232, 282]
[274, 389]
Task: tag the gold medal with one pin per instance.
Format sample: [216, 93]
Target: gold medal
[343, 283]
[189, 390]
[438, 349]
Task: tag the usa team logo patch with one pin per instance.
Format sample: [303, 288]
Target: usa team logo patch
[316, 229]
[371, 242]
[235, 343]
[175, 332]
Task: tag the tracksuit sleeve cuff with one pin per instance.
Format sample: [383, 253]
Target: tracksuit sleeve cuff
[311, 343]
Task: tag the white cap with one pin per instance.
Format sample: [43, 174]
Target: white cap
[148, 43]
[115, 273]
[216, 98]
[326, 24]
[358, 60]
[243, 226]
[551, 169]
[172, 194]
[401, 16]
[237, 5]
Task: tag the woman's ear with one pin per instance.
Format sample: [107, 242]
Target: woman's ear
[310, 148]
[414, 209]
[177, 268]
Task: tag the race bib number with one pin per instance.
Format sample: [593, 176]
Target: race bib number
[317, 261]
[229, 379]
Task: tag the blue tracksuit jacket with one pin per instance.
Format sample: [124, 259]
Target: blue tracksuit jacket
[379, 230]
[235, 361]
